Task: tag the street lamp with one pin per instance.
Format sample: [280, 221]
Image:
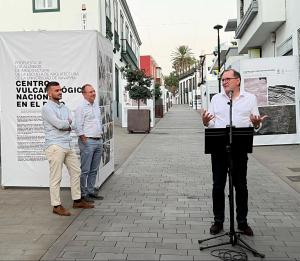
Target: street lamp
[201, 64]
[202, 60]
[218, 27]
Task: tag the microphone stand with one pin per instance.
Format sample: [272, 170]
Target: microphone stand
[234, 237]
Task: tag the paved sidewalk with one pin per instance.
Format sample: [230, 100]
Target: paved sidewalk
[283, 161]
[158, 204]
[27, 226]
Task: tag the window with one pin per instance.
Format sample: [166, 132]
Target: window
[109, 32]
[107, 9]
[45, 6]
[134, 47]
[130, 40]
[116, 16]
[241, 9]
[286, 48]
[122, 26]
[117, 94]
[122, 29]
[126, 32]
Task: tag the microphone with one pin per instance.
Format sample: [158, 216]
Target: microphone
[230, 95]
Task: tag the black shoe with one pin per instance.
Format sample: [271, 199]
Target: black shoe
[87, 199]
[246, 229]
[216, 228]
[95, 197]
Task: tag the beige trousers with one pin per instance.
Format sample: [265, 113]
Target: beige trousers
[57, 156]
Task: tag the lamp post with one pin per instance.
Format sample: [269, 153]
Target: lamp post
[201, 64]
[202, 60]
[218, 27]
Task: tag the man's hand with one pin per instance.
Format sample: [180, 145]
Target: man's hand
[257, 120]
[206, 117]
[83, 138]
[68, 129]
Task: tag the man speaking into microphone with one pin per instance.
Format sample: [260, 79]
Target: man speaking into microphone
[244, 114]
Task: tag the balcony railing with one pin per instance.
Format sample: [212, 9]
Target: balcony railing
[187, 73]
[117, 41]
[128, 55]
[246, 19]
[109, 33]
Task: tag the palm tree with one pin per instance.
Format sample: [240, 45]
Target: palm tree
[182, 58]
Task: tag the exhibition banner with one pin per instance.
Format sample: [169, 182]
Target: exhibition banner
[274, 81]
[28, 61]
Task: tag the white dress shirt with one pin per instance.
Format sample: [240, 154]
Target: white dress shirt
[242, 107]
[56, 120]
[88, 119]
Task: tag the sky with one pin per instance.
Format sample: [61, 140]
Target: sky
[163, 25]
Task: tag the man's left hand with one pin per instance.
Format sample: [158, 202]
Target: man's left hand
[257, 120]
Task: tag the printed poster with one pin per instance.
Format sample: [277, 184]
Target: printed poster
[28, 61]
[274, 82]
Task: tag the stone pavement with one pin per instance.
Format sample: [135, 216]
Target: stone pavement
[158, 204]
[27, 226]
[166, 209]
[282, 160]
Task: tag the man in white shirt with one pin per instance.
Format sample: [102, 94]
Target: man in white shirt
[57, 120]
[89, 131]
[244, 114]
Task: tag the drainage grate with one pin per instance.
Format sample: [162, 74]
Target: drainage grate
[294, 169]
[159, 133]
[294, 178]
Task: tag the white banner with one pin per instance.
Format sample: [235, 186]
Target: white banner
[28, 61]
[274, 81]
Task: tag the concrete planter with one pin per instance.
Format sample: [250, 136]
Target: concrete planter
[138, 121]
[159, 108]
[159, 111]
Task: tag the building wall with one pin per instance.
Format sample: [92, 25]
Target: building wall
[268, 12]
[285, 31]
[148, 64]
[186, 85]
[145, 63]
[292, 24]
[246, 4]
[18, 15]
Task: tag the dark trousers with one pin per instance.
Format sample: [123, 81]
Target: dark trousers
[220, 165]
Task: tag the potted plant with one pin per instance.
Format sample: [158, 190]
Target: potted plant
[138, 87]
[159, 107]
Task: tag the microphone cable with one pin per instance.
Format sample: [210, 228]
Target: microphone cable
[229, 255]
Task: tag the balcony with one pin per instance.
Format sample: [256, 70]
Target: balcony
[247, 19]
[109, 33]
[261, 19]
[187, 73]
[128, 55]
[116, 42]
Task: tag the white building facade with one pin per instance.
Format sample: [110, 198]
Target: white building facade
[187, 86]
[112, 18]
[268, 28]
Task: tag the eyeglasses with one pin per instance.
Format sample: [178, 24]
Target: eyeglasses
[228, 79]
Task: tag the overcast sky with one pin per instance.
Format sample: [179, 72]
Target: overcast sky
[164, 25]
